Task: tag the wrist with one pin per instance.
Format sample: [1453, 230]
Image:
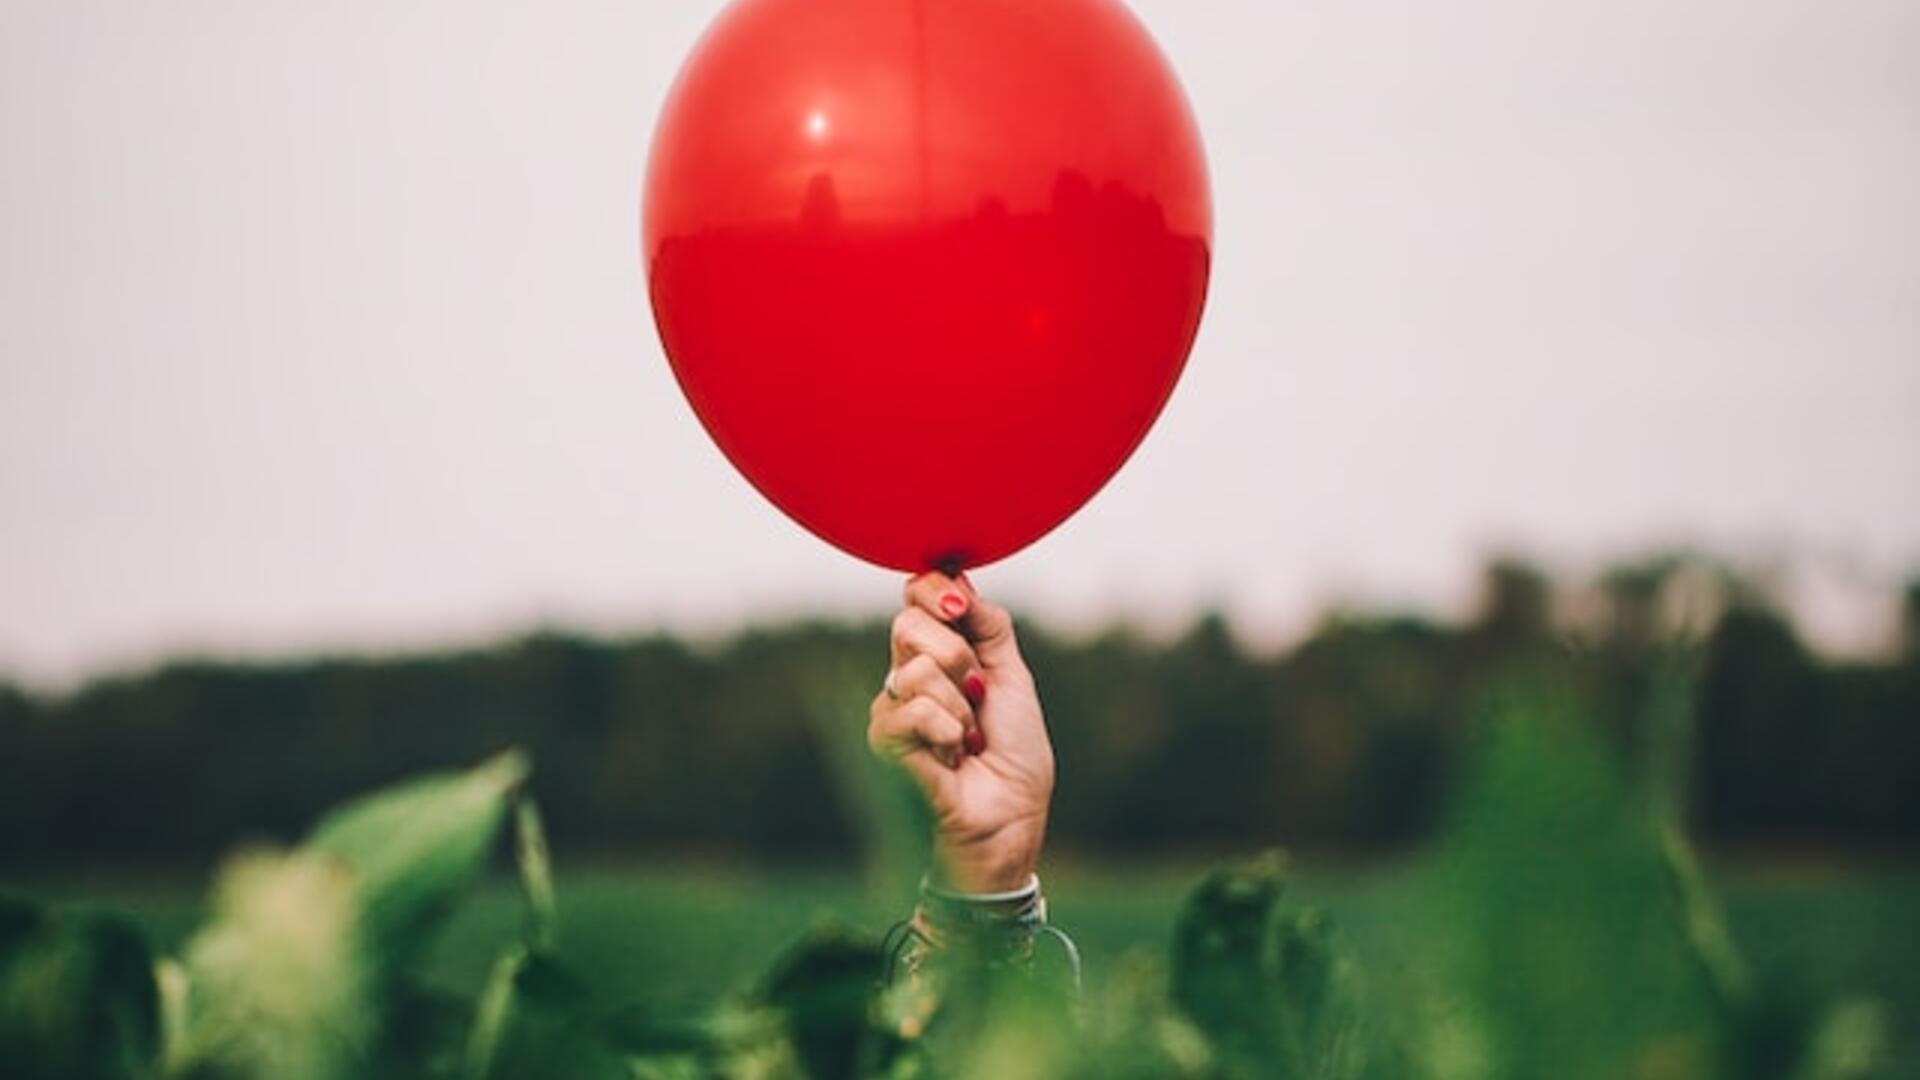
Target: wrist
[1002, 862]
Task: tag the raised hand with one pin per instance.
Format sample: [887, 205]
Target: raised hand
[959, 712]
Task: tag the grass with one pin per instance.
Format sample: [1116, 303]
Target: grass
[680, 937]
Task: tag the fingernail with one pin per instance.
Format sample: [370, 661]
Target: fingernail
[975, 741]
[975, 688]
[954, 605]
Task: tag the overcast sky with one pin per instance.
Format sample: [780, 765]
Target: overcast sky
[323, 324]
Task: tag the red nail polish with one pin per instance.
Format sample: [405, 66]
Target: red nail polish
[975, 688]
[954, 605]
[975, 741]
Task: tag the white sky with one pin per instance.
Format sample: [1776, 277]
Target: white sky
[323, 324]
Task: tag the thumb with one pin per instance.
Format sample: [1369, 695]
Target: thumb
[990, 628]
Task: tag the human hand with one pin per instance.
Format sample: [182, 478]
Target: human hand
[960, 713]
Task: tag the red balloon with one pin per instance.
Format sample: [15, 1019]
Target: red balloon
[927, 270]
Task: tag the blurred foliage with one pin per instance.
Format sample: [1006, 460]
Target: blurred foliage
[1555, 927]
[78, 997]
[660, 746]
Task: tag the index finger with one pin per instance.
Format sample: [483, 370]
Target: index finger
[954, 601]
[939, 595]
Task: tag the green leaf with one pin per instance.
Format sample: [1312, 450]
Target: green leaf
[824, 989]
[1557, 940]
[77, 997]
[649, 1030]
[1274, 990]
[536, 873]
[426, 1032]
[1221, 979]
[1850, 1041]
[534, 1021]
[20, 919]
[490, 1016]
[413, 848]
[298, 972]
[276, 984]
[1131, 1034]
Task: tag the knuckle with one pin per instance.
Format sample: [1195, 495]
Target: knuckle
[943, 727]
[994, 617]
[955, 656]
[922, 670]
[938, 725]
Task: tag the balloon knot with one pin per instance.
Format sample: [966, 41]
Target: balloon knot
[950, 563]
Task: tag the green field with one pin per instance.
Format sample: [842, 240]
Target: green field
[674, 936]
[1558, 922]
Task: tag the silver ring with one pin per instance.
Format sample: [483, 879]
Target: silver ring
[892, 693]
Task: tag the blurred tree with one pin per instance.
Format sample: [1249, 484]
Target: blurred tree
[1910, 624]
[1368, 716]
[1758, 727]
[658, 745]
[1206, 783]
[1516, 612]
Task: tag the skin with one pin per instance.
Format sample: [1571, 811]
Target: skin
[990, 807]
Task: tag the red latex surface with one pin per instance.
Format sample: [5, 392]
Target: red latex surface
[927, 269]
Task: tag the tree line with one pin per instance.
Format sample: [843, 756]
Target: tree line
[658, 746]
